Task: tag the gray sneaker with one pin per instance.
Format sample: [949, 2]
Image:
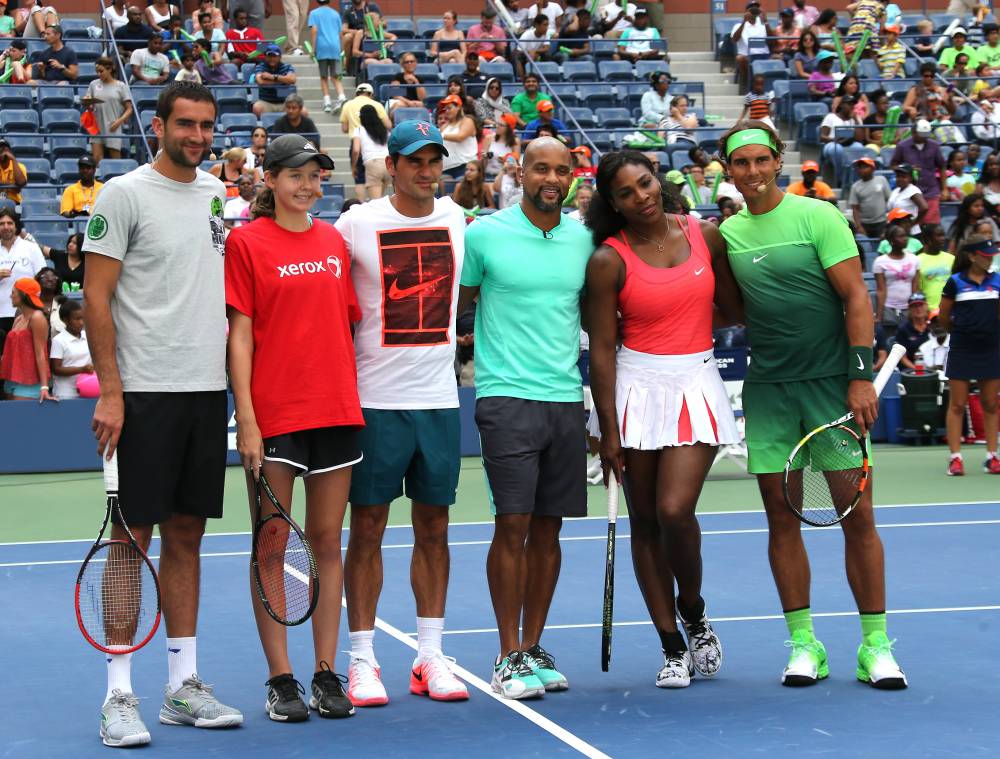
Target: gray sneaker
[194, 704]
[121, 724]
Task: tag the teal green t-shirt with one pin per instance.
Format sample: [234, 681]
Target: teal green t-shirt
[528, 318]
[6, 25]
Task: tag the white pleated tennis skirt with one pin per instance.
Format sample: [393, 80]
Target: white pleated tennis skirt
[665, 401]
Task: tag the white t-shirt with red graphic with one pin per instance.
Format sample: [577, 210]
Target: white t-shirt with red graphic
[406, 274]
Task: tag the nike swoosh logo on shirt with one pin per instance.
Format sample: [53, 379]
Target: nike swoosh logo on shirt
[398, 293]
[761, 258]
[699, 271]
[861, 363]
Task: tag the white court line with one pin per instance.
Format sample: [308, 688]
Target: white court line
[759, 618]
[700, 514]
[518, 707]
[567, 539]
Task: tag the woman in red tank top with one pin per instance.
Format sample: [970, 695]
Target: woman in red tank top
[24, 367]
[660, 407]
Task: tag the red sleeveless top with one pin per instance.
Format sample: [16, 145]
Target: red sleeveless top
[18, 362]
[668, 311]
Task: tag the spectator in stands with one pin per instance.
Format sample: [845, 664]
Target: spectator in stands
[216, 21]
[986, 122]
[57, 63]
[655, 103]
[459, 133]
[535, 44]
[209, 63]
[891, 55]
[924, 43]
[275, 81]
[850, 86]
[14, 56]
[257, 11]
[246, 191]
[826, 24]
[866, 15]
[149, 65]
[174, 41]
[727, 207]
[973, 159]
[934, 264]
[116, 15]
[258, 147]
[704, 197]
[501, 143]
[546, 116]
[811, 186]
[875, 135]
[971, 212]
[805, 15]
[927, 99]
[915, 330]
[472, 193]
[581, 203]
[113, 110]
[961, 78]
[69, 354]
[613, 18]
[486, 37]
[33, 19]
[549, 9]
[507, 184]
[13, 176]
[229, 170]
[573, 40]
[369, 147]
[380, 53]
[213, 37]
[493, 106]
[869, 198]
[7, 22]
[900, 217]
[636, 42]
[350, 113]
[788, 33]
[525, 103]
[25, 363]
[989, 182]
[50, 293]
[448, 43]
[838, 131]
[981, 84]
[583, 164]
[354, 26]
[473, 79]
[679, 123]
[753, 25]
[79, 197]
[295, 121]
[989, 51]
[726, 189]
[934, 352]
[757, 104]
[244, 39]
[960, 181]
[924, 154]
[325, 25]
[966, 8]
[159, 12]
[710, 166]
[946, 61]
[821, 83]
[895, 276]
[414, 94]
[18, 258]
[133, 34]
[69, 264]
[804, 60]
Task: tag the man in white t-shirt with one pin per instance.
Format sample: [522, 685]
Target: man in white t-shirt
[613, 19]
[535, 43]
[232, 212]
[546, 8]
[406, 254]
[754, 24]
[18, 258]
[149, 65]
[635, 43]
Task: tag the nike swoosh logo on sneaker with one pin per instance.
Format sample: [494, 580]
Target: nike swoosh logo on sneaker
[757, 259]
[418, 676]
[398, 293]
[697, 272]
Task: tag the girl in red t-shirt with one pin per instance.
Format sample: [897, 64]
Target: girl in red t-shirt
[290, 304]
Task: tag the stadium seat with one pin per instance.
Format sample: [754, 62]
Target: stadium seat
[267, 119]
[15, 97]
[115, 167]
[145, 96]
[76, 28]
[451, 69]
[602, 140]
[614, 118]
[548, 71]
[52, 228]
[18, 120]
[231, 100]
[603, 50]
[247, 73]
[771, 70]
[27, 145]
[584, 117]
[579, 71]
[232, 70]
[644, 68]
[565, 91]
[503, 71]
[55, 240]
[55, 96]
[146, 120]
[64, 120]
[427, 73]
[39, 169]
[39, 207]
[596, 96]
[416, 47]
[237, 122]
[327, 204]
[379, 74]
[808, 117]
[401, 27]
[427, 26]
[86, 72]
[868, 69]
[66, 171]
[708, 139]
[615, 71]
[68, 146]
[408, 114]
[87, 50]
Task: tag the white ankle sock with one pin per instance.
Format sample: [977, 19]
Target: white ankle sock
[429, 632]
[119, 673]
[363, 645]
[182, 660]
[326, 100]
[956, 456]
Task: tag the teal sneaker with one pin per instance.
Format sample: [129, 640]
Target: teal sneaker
[876, 664]
[513, 678]
[544, 667]
[194, 704]
[807, 664]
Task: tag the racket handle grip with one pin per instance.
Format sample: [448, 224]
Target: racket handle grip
[897, 352]
[612, 498]
[111, 473]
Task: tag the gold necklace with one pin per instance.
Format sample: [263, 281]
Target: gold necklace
[659, 245]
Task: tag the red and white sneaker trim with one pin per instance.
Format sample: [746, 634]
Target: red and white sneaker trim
[364, 684]
[433, 677]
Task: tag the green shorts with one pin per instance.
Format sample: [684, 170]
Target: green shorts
[413, 451]
[779, 414]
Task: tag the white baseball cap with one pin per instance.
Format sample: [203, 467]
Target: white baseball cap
[924, 126]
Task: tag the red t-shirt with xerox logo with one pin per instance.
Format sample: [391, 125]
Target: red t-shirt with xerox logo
[296, 287]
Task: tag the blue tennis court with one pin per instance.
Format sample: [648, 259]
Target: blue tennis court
[943, 608]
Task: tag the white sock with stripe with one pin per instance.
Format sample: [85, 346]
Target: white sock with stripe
[119, 673]
[182, 660]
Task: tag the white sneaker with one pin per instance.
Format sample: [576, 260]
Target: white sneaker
[121, 724]
[704, 644]
[364, 684]
[298, 51]
[433, 677]
[678, 669]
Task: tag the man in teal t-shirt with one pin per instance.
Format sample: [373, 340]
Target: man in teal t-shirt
[527, 264]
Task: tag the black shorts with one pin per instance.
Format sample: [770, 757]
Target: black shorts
[315, 451]
[359, 172]
[172, 456]
[535, 456]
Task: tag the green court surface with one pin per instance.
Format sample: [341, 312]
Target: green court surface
[70, 506]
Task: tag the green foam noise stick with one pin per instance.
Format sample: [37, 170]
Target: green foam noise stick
[891, 120]
[206, 57]
[471, 213]
[375, 35]
[187, 35]
[593, 7]
[8, 73]
[309, 49]
[279, 41]
[715, 187]
[862, 43]
[565, 50]
[695, 194]
[571, 193]
[175, 56]
[254, 54]
[839, 47]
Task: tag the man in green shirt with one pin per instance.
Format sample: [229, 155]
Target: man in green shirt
[810, 330]
[525, 103]
[989, 53]
[527, 265]
[947, 60]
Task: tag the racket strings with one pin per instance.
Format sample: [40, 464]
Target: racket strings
[118, 596]
[828, 475]
[286, 569]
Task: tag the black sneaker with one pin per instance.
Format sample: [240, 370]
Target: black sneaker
[283, 701]
[328, 697]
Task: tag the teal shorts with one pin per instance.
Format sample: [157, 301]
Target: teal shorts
[411, 452]
[22, 391]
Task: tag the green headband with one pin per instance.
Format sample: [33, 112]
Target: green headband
[749, 137]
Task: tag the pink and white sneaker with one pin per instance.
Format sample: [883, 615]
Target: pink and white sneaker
[364, 684]
[433, 677]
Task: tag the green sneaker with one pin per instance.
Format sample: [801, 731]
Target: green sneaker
[807, 664]
[513, 678]
[876, 664]
[544, 667]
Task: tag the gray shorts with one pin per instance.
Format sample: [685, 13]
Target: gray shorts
[329, 68]
[535, 456]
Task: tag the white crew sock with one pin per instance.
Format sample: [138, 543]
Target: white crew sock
[429, 631]
[326, 100]
[119, 673]
[182, 660]
[956, 456]
[363, 645]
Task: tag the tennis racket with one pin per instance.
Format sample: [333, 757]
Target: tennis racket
[282, 562]
[117, 596]
[609, 574]
[827, 472]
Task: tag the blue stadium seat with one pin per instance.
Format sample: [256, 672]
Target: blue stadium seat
[52, 229]
[603, 141]
[55, 96]
[465, 24]
[86, 72]
[584, 116]
[267, 119]
[644, 68]
[68, 146]
[427, 73]
[503, 71]
[86, 50]
[630, 93]
[39, 207]
[232, 70]
[615, 71]
[145, 96]
[19, 120]
[450, 70]
[941, 21]
[39, 170]
[16, 96]
[231, 99]
[808, 117]
[64, 120]
[55, 240]
[327, 204]
[565, 91]
[146, 120]
[115, 167]
[76, 28]
[247, 73]
[614, 118]
[548, 70]
[379, 74]
[408, 114]
[27, 145]
[427, 26]
[596, 96]
[708, 139]
[770, 69]
[237, 122]
[401, 27]
[782, 103]
[868, 69]
[603, 50]
[41, 192]
[579, 71]
[66, 171]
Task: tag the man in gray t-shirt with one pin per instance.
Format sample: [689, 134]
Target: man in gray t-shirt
[868, 199]
[156, 325]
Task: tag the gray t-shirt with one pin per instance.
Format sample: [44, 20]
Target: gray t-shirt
[169, 308]
[113, 95]
[872, 196]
